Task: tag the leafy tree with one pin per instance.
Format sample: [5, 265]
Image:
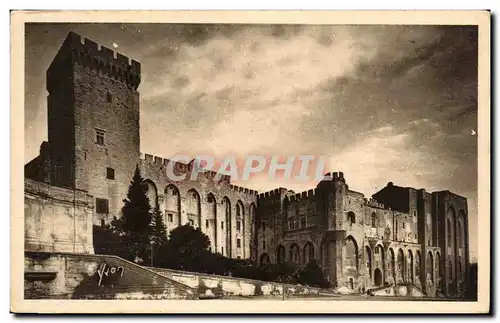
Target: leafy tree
[312, 275]
[186, 249]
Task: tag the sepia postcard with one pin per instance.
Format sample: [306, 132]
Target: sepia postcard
[250, 162]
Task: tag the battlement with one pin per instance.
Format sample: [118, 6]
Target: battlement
[185, 168]
[301, 196]
[243, 190]
[334, 176]
[92, 55]
[374, 203]
[277, 192]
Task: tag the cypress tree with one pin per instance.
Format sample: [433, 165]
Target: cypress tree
[136, 212]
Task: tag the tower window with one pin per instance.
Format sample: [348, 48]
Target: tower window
[170, 217]
[238, 225]
[110, 173]
[109, 97]
[99, 137]
[222, 225]
[206, 223]
[238, 243]
[101, 206]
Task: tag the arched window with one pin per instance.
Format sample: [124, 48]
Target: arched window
[172, 206]
[194, 208]
[448, 224]
[368, 255]
[294, 253]
[308, 252]
[351, 253]
[459, 231]
[281, 254]
[374, 220]
[351, 217]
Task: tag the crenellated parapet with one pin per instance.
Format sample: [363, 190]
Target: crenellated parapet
[374, 203]
[243, 190]
[92, 55]
[186, 168]
[276, 193]
[334, 176]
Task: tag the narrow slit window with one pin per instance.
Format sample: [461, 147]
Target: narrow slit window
[99, 137]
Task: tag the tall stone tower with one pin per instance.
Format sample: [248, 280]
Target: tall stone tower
[93, 122]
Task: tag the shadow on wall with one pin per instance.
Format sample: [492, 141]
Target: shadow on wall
[97, 277]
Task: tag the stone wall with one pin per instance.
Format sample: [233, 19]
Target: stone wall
[57, 219]
[214, 285]
[74, 276]
[224, 212]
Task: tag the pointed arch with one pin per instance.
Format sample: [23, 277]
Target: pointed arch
[226, 204]
[240, 225]
[401, 264]
[438, 270]
[351, 217]
[351, 254]
[193, 208]
[281, 254]
[294, 253]
[430, 266]
[368, 258]
[308, 253]
[151, 193]
[411, 268]
[450, 241]
[211, 225]
[252, 212]
[391, 264]
[418, 261]
[264, 259]
[380, 257]
[172, 201]
[374, 220]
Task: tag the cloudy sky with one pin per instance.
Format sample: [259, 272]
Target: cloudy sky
[383, 103]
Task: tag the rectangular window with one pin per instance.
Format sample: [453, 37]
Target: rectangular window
[110, 173]
[263, 225]
[170, 217]
[222, 225]
[206, 223]
[99, 137]
[222, 250]
[403, 225]
[101, 206]
[238, 225]
[191, 222]
[238, 243]
[263, 245]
